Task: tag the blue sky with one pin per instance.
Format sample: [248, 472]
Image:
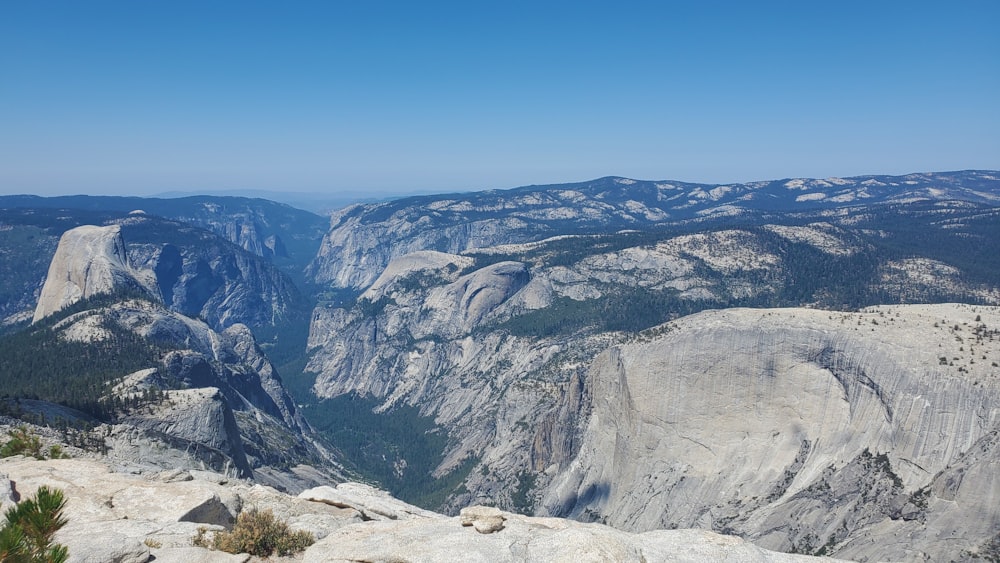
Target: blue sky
[375, 97]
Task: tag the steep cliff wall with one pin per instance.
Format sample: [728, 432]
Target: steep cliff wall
[199, 274]
[802, 429]
[418, 337]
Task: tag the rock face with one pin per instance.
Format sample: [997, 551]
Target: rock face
[802, 430]
[199, 274]
[798, 429]
[241, 341]
[227, 408]
[198, 422]
[89, 260]
[229, 260]
[138, 518]
[411, 340]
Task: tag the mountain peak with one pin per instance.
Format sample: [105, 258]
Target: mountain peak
[88, 261]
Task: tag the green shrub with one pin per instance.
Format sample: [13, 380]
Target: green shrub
[22, 442]
[26, 536]
[260, 533]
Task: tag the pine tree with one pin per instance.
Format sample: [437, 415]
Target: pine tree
[30, 527]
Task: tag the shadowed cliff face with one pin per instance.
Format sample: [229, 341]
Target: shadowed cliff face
[200, 275]
[798, 428]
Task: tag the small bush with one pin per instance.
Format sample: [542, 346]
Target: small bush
[26, 536]
[260, 533]
[22, 442]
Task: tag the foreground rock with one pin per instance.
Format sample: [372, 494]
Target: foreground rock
[127, 518]
[524, 538]
[133, 518]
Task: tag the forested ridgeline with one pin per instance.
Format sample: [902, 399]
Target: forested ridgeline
[38, 363]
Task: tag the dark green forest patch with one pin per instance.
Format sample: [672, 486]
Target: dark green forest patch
[36, 363]
[398, 449]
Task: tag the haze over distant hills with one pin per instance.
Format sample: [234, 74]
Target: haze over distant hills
[319, 202]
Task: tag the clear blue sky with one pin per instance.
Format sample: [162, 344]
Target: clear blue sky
[391, 97]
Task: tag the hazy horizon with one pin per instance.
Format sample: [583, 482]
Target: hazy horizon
[394, 99]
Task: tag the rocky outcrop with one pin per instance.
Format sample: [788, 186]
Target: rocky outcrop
[241, 341]
[89, 261]
[374, 504]
[448, 309]
[191, 271]
[156, 516]
[225, 407]
[197, 422]
[803, 430]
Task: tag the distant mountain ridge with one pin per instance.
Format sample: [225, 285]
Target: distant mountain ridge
[266, 228]
[196, 271]
[363, 238]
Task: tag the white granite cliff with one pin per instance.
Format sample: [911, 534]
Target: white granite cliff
[799, 429]
[89, 260]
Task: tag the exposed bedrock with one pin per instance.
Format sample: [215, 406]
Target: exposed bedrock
[797, 428]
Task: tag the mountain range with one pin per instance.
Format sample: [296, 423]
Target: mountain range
[812, 365]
